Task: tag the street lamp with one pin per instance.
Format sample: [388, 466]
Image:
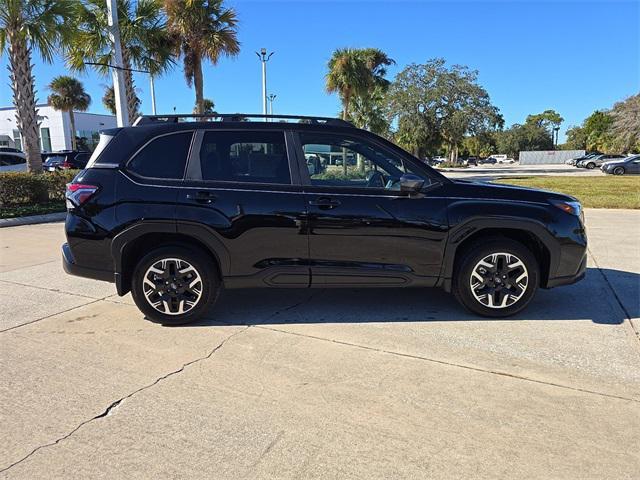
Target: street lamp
[264, 58]
[556, 130]
[271, 97]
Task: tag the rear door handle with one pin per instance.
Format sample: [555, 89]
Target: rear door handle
[202, 196]
[325, 203]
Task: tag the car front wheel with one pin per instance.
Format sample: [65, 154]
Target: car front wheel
[618, 171]
[175, 285]
[496, 278]
[591, 165]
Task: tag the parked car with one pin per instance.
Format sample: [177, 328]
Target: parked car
[597, 161]
[174, 211]
[625, 166]
[472, 161]
[12, 161]
[10, 150]
[488, 160]
[573, 161]
[65, 160]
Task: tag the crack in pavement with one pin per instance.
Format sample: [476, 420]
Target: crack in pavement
[116, 403]
[449, 364]
[296, 305]
[54, 290]
[52, 315]
[615, 294]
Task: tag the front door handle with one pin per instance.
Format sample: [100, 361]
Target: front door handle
[202, 196]
[325, 203]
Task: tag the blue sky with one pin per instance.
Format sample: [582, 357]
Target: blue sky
[574, 57]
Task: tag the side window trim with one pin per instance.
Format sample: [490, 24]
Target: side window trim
[193, 170]
[306, 178]
[131, 172]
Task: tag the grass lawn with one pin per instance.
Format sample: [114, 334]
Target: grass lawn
[608, 191]
[27, 210]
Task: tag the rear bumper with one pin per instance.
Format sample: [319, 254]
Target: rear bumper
[72, 268]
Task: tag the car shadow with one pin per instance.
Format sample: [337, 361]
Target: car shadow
[605, 296]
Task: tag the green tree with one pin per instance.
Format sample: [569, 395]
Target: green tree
[527, 137]
[549, 120]
[201, 30]
[626, 124]
[67, 95]
[27, 26]
[447, 99]
[358, 77]
[109, 100]
[144, 39]
[597, 128]
[209, 107]
[576, 139]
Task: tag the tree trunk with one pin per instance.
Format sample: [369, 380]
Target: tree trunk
[198, 85]
[72, 122]
[129, 88]
[23, 86]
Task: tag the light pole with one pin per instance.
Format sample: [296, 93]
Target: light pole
[556, 130]
[117, 75]
[271, 97]
[264, 58]
[153, 95]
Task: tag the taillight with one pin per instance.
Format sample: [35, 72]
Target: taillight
[79, 193]
[66, 164]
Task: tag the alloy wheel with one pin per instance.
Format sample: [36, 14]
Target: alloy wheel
[499, 280]
[172, 286]
[618, 171]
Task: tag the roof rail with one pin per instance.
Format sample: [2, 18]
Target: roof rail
[238, 117]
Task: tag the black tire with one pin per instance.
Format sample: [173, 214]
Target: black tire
[591, 165]
[618, 171]
[203, 266]
[478, 251]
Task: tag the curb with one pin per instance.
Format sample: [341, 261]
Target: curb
[32, 220]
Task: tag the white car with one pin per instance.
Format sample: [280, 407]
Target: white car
[12, 161]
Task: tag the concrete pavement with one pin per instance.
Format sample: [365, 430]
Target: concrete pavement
[321, 383]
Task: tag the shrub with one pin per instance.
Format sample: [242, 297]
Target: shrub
[22, 188]
[452, 165]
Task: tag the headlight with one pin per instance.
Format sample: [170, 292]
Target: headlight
[572, 207]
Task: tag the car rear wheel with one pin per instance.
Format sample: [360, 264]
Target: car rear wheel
[175, 285]
[591, 165]
[618, 171]
[496, 278]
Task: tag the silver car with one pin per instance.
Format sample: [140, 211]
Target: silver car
[598, 160]
[625, 166]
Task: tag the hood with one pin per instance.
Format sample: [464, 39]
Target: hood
[499, 191]
[621, 161]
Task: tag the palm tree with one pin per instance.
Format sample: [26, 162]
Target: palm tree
[357, 74]
[68, 95]
[201, 30]
[143, 36]
[209, 107]
[25, 26]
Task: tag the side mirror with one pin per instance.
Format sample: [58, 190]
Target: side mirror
[411, 183]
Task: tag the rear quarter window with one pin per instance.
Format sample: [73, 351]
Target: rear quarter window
[163, 157]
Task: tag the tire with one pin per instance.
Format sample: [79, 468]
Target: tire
[182, 300]
[503, 302]
[591, 165]
[618, 171]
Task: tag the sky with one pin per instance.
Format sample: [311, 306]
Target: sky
[574, 57]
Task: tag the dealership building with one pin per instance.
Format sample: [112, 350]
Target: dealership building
[54, 128]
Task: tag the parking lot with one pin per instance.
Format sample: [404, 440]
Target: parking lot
[320, 383]
[504, 170]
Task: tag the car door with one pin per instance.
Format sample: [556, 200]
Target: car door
[242, 186]
[362, 229]
[633, 165]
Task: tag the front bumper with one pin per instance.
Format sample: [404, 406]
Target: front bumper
[568, 280]
[72, 268]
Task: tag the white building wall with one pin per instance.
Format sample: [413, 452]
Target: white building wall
[58, 124]
[548, 156]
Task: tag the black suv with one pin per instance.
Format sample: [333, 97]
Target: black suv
[173, 210]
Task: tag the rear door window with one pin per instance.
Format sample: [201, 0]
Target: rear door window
[164, 157]
[244, 156]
